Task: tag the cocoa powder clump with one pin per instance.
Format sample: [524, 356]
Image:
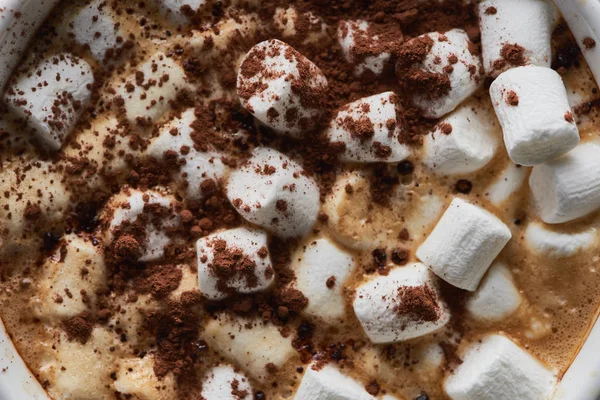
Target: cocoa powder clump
[418, 303]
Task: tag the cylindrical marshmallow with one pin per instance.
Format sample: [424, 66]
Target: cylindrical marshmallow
[273, 191]
[233, 261]
[403, 305]
[462, 143]
[516, 33]
[328, 382]
[506, 184]
[281, 87]
[569, 187]
[463, 244]
[224, 383]
[547, 243]
[537, 121]
[370, 130]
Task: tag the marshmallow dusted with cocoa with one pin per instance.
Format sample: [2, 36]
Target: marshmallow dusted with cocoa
[233, 261]
[497, 368]
[224, 383]
[516, 33]
[463, 244]
[328, 382]
[272, 191]
[198, 163]
[461, 143]
[568, 187]
[440, 70]
[51, 96]
[281, 88]
[370, 130]
[367, 45]
[180, 12]
[403, 305]
[537, 121]
[321, 270]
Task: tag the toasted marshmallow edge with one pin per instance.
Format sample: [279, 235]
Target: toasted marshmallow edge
[527, 23]
[277, 104]
[384, 143]
[328, 382]
[321, 269]
[569, 187]
[499, 369]
[547, 243]
[469, 146]
[199, 166]
[464, 78]
[509, 181]
[223, 381]
[62, 79]
[497, 297]
[272, 191]
[532, 106]
[463, 244]
[247, 242]
[378, 305]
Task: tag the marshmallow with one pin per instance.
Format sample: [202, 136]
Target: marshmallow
[506, 184]
[223, 383]
[532, 106]
[463, 244]
[456, 68]
[498, 369]
[245, 269]
[403, 305]
[288, 21]
[496, 298]
[370, 130]
[321, 269]
[515, 33]
[95, 27]
[19, 21]
[328, 382]
[132, 211]
[180, 12]
[366, 46]
[176, 137]
[272, 191]
[462, 143]
[281, 87]
[136, 379]
[556, 244]
[567, 188]
[52, 97]
[250, 344]
[147, 94]
[62, 274]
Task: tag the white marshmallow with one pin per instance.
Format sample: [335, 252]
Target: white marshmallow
[328, 382]
[289, 20]
[532, 106]
[465, 76]
[370, 130]
[548, 243]
[379, 305]
[467, 148]
[199, 165]
[284, 90]
[463, 244]
[498, 369]
[249, 245]
[271, 191]
[51, 97]
[150, 100]
[127, 207]
[506, 184]
[527, 23]
[174, 10]
[95, 27]
[250, 344]
[496, 298]
[19, 21]
[372, 52]
[569, 187]
[136, 378]
[317, 264]
[223, 383]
